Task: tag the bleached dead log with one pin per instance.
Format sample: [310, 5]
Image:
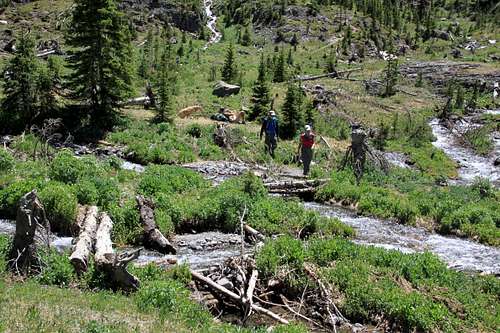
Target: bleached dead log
[30, 214]
[113, 265]
[294, 187]
[335, 74]
[152, 237]
[143, 100]
[86, 239]
[217, 287]
[253, 234]
[44, 54]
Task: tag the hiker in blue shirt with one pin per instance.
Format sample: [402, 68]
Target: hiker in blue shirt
[270, 128]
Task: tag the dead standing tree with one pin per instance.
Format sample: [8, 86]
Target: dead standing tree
[357, 153]
[23, 254]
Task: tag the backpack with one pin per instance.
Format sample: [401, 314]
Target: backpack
[271, 125]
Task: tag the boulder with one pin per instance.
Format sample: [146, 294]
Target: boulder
[496, 162]
[223, 89]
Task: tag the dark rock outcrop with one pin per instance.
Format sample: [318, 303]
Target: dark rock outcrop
[223, 89]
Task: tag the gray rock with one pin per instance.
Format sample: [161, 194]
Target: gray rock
[223, 89]
[496, 162]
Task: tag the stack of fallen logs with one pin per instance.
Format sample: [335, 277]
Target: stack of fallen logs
[236, 285]
[94, 231]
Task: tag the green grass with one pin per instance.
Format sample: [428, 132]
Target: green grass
[407, 292]
[408, 197]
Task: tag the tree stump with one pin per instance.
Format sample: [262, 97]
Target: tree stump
[30, 214]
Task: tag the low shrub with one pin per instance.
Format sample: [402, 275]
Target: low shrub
[169, 179]
[126, 226]
[12, 193]
[60, 205]
[6, 161]
[5, 242]
[56, 269]
[86, 192]
[66, 168]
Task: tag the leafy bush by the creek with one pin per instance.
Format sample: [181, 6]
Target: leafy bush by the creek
[60, 205]
[221, 208]
[56, 269]
[471, 211]
[126, 226]
[66, 168]
[6, 160]
[411, 292]
[12, 193]
[169, 179]
[4, 250]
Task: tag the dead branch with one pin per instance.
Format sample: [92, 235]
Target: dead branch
[335, 75]
[217, 287]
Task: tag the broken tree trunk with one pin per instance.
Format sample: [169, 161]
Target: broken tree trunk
[252, 234]
[86, 239]
[152, 237]
[22, 256]
[112, 265]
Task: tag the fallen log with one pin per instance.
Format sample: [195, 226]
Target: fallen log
[217, 287]
[253, 234]
[113, 265]
[335, 74]
[295, 186]
[152, 237]
[86, 239]
[22, 257]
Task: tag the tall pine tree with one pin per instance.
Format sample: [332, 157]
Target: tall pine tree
[100, 58]
[20, 87]
[260, 95]
[293, 117]
[165, 86]
[229, 68]
[279, 68]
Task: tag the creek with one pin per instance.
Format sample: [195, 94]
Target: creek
[215, 36]
[470, 164]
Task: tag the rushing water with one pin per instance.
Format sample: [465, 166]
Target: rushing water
[471, 165]
[459, 254]
[211, 24]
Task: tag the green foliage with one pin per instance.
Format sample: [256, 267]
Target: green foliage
[6, 161]
[171, 299]
[229, 67]
[12, 193]
[279, 74]
[68, 169]
[126, 226]
[260, 93]
[86, 192]
[5, 242]
[19, 105]
[169, 179]
[60, 205]
[376, 282]
[293, 115]
[165, 86]
[101, 56]
[56, 269]
[472, 211]
[479, 139]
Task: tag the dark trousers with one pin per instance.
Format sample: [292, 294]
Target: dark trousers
[271, 143]
[306, 157]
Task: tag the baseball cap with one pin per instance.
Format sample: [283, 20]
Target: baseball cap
[272, 113]
[307, 127]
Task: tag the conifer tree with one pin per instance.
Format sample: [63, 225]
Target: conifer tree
[459, 101]
[293, 118]
[289, 59]
[391, 75]
[165, 85]
[260, 95]
[331, 62]
[20, 86]
[48, 83]
[229, 67]
[279, 68]
[100, 58]
[246, 38]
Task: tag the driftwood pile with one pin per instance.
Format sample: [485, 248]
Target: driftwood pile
[235, 286]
